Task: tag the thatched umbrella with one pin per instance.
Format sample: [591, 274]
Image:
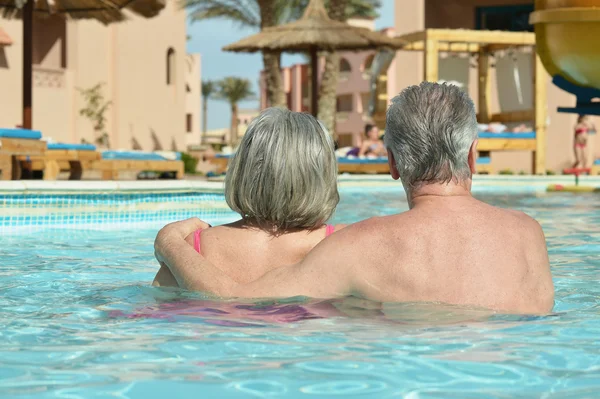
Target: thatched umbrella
[312, 33]
[105, 11]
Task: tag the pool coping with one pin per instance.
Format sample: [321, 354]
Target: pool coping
[531, 183]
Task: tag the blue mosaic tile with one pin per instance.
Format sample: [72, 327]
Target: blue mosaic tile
[34, 211]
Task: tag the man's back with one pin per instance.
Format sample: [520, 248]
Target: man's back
[454, 250]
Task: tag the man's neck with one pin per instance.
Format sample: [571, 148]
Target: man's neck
[427, 192]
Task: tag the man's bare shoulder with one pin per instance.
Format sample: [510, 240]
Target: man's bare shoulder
[373, 225]
[521, 220]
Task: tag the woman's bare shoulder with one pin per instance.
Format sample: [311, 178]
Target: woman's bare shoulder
[210, 233]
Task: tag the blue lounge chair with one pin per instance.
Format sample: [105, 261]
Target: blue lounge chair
[16, 144]
[114, 162]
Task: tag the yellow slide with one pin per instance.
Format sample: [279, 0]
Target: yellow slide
[568, 43]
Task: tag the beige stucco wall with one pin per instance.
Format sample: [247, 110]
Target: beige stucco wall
[193, 97]
[129, 58]
[414, 15]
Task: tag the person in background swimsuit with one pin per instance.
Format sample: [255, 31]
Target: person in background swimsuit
[373, 145]
[283, 183]
[582, 130]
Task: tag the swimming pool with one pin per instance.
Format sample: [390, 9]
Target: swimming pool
[79, 320]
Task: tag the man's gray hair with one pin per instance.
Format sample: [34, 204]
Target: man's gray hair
[430, 129]
[284, 173]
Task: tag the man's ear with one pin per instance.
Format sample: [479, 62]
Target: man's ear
[473, 157]
[392, 165]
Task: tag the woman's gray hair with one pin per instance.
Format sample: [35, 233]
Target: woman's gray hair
[284, 173]
[430, 129]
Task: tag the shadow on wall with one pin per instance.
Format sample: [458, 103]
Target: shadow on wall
[173, 144]
[48, 33]
[135, 144]
[3, 59]
[157, 146]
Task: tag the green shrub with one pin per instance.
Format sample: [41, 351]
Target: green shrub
[506, 172]
[522, 173]
[550, 173]
[189, 163]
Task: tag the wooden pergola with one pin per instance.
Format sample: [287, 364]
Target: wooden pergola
[432, 42]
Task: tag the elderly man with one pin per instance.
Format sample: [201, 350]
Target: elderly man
[449, 247]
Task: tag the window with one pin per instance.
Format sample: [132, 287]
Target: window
[344, 103]
[188, 123]
[345, 66]
[170, 66]
[509, 18]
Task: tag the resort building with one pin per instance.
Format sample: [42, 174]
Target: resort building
[511, 76]
[152, 85]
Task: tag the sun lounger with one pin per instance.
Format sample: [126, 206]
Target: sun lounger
[64, 157]
[380, 165]
[17, 143]
[220, 161]
[363, 165]
[506, 141]
[114, 162]
[76, 158]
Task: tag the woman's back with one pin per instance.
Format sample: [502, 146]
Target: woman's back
[246, 253]
[282, 181]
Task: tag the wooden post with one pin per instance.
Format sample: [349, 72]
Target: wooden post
[431, 59]
[485, 86]
[5, 167]
[540, 105]
[314, 70]
[27, 63]
[51, 170]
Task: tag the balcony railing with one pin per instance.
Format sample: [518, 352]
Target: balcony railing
[49, 77]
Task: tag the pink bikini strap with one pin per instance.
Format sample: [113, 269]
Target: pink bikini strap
[197, 240]
[329, 230]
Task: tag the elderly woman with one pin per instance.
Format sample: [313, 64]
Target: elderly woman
[283, 183]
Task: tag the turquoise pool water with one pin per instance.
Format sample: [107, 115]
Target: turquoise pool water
[79, 320]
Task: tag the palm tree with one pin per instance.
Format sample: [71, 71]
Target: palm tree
[339, 10]
[257, 14]
[261, 14]
[208, 89]
[233, 90]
